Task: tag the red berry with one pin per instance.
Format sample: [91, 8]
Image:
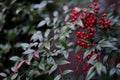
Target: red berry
[78, 34]
[84, 69]
[84, 38]
[88, 28]
[87, 36]
[83, 43]
[92, 30]
[104, 15]
[78, 57]
[102, 27]
[93, 52]
[85, 11]
[97, 8]
[78, 42]
[81, 27]
[81, 16]
[90, 6]
[83, 33]
[95, 4]
[91, 34]
[88, 57]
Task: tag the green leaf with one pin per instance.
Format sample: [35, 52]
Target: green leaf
[104, 43]
[14, 58]
[104, 69]
[63, 43]
[24, 45]
[47, 32]
[98, 47]
[42, 23]
[118, 65]
[14, 76]
[118, 71]
[50, 60]
[47, 45]
[89, 74]
[42, 4]
[53, 68]
[66, 72]
[63, 62]
[105, 58]
[57, 77]
[92, 59]
[66, 54]
[112, 71]
[79, 22]
[42, 66]
[28, 51]
[55, 13]
[99, 66]
[3, 75]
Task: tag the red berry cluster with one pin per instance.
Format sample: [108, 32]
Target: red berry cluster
[88, 30]
[90, 22]
[75, 14]
[104, 23]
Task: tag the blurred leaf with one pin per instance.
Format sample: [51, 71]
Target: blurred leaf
[64, 44]
[41, 23]
[55, 13]
[47, 33]
[14, 76]
[118, 71]
[79, 23]
[57, 77]
[29, 51]
[66, 72]
[104, 43]
[62, 62]
[42, 66]
[66, 54]
[14, 58]
[104, 69]
[3, 75]
[37, 36]
[105, 58]
[53, 68]
[90, 73]
[112, 71]
[47, 45]
[24, 45]
[91, 60]
[99, 66]
[118, 65]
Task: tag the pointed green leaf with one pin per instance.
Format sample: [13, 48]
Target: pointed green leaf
[57, 77]
[53, 68]
[66, 72]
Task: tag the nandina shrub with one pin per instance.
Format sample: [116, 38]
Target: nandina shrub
[94, 45]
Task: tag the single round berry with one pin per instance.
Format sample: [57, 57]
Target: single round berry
[78, 57]
[95, 4]
[90, 34]
[83, 33]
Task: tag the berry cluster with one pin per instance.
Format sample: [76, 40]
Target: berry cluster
[104, 23]
[90, 22]
[87, 31]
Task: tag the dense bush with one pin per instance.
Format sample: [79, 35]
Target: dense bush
[38, 37]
